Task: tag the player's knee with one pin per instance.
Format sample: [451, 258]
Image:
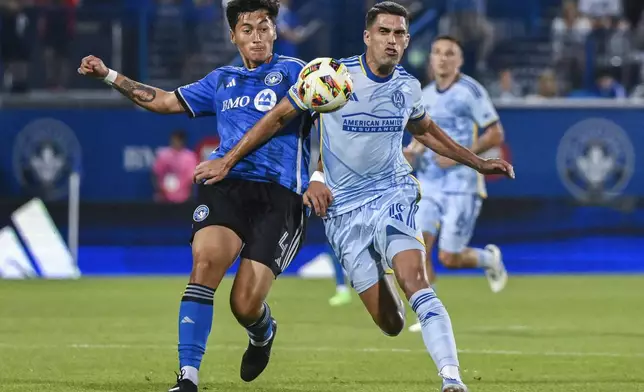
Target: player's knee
[449, 260]
[412, 278]
[204, 262]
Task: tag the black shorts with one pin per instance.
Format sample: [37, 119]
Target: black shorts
[269, 219]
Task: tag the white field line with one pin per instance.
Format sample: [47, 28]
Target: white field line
[83, 346]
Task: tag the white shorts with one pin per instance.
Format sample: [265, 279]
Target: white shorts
[455, 214]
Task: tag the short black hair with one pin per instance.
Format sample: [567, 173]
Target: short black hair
[235, 8]
[388, 8]
[451, 39]
[180, 135]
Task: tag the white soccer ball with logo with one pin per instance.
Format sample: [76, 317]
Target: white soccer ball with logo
[324, 85]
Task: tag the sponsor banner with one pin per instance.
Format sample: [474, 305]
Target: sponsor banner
[576, 153]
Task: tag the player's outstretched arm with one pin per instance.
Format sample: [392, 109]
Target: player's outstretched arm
[148, 97]
[217, 169]
[431, 135]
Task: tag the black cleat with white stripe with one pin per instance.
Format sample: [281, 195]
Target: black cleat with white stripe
[256, 358]
[183, 385]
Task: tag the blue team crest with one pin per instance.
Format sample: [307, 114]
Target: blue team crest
[398, 99]
[201, 213]
[45, 153]
[273, 79]
[595, 159]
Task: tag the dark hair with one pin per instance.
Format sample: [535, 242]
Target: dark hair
[180, 135]
[449, 38]
[388, 8]
[235, 8]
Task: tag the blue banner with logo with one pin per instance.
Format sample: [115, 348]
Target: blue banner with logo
[575, 206]
[113, 149]
[571, 152]
[576, 153]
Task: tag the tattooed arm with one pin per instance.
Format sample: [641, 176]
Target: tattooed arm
[148, 97]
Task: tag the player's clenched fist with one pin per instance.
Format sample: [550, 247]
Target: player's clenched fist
[94, 67]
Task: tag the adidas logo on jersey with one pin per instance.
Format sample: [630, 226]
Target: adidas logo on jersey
[44, 252]
[232, 83]
[353, 97]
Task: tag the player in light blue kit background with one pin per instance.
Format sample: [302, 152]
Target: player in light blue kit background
[462, 108]
[371, 197]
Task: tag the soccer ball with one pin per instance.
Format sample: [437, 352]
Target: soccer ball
[324, 85]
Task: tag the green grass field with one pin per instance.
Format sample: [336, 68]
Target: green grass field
[540, 334]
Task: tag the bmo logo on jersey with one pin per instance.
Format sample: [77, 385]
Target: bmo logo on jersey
[234, 103]
[265, 100]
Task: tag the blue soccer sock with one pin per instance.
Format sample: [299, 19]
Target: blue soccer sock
[437, 330]
[485, 258]
[261, 331]
[195, 321]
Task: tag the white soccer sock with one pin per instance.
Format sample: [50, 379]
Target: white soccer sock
[341, 288]
[190, 373]
[450, 371]
[485, 258]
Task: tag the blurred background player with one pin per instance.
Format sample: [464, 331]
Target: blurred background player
[453, 199]
[370, 219]
[453, 193]
[257, 211]
[173, 170]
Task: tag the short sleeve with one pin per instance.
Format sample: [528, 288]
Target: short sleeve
[482, 109]
[295, 100]
[418, 105]
[198, 98]
[294, 67]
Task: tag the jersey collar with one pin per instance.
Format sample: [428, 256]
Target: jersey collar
[367, 71]
[456, 79]
[264, 66]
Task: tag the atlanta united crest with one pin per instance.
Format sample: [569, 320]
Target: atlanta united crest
[595, 159]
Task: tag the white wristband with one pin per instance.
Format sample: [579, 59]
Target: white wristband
[317, 176]
[111, 77]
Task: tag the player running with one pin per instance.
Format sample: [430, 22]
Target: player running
[461, 107]
[257, 211]
[371, 220]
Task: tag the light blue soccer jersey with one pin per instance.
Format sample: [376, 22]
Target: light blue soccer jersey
[461, 111]
[362, 142]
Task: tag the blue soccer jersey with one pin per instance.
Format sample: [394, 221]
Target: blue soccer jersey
[239, 97]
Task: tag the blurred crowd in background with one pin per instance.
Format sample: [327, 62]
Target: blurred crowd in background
[533, 49]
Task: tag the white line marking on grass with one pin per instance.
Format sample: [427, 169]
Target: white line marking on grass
[89, 346]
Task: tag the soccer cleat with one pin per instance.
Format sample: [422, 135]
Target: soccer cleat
[340, 298]
[497, 276]
[416, 327]
[256, 358]
[183, 384]
[452, 385]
